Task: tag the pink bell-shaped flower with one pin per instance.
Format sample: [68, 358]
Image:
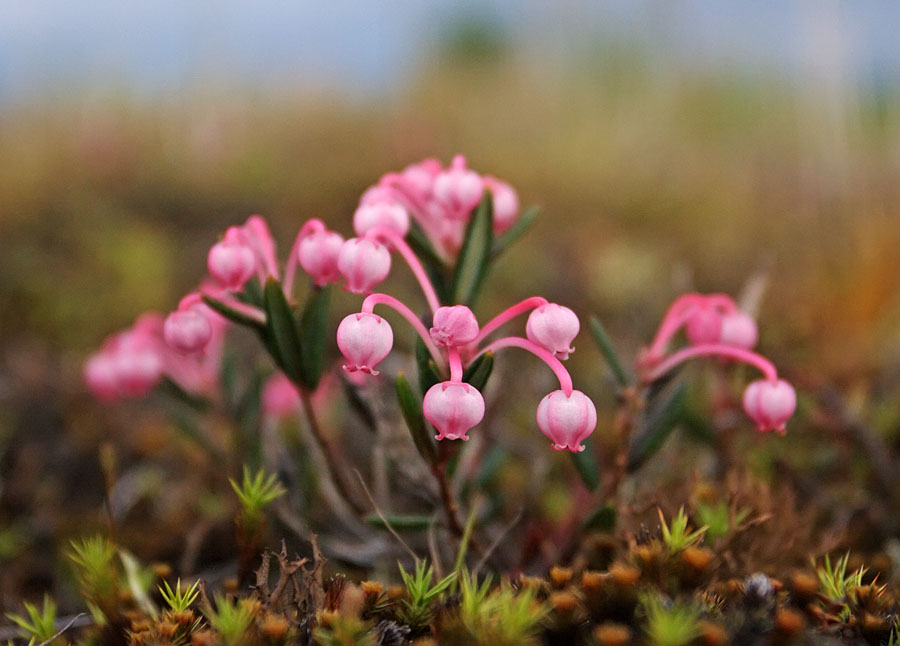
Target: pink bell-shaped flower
[364, 339]
[363, 264]
[505, 203]
[738, 329]
[187, 331]
[138, 366]
[381, 213]
[770, 403]
[280, 398]
[567, 420]
[458, 189]
[454, 326]
[100, 376]
[317, 254]
[231, 262]
[453, 408]
[704, 326]
[553, 327]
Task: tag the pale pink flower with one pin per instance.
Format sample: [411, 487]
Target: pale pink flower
[738, 329]
[453, 408]
[390, 215]
[567, 420]
[770, 403]
[363, 263]
[317, 254]
[454, 326]
[505, 203]
[231, 262]
[187, 331]
[553, 327]
[458, 189]
[364, 340]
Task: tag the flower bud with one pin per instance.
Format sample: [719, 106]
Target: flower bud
[505, 202]
[187, 331]
[280, 398]
[453, 408]
[454, 326]
[567, 420]
[364, 340]
[770, 403]
[363, 264]
[231, 262]
[318, 254]
[553, 327]
[458, 189]
[738, 329]
[390, 215]
[704, 326]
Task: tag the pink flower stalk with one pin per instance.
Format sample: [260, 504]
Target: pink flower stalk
[458, 189]
[453, 408]
[454, 326]
[231, 262]
[505, 202]
[363, 263]
[365, 340]
[770, 403]
[704, 325]
[388, 214]
[256, 234]
[553, 327]
[187, 330]
[317, 251]
[738, 329]
[567, 419]
[280, 397]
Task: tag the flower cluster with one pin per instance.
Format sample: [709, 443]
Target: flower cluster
[715, 326]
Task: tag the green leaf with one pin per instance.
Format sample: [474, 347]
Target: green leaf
[475, 254]
[434, 264]
[479, 371]
[586, 464]
[281, 331]
[603, 519]
[660, 417]
[609, 352]
[172, 389]
[252, 293]
[400, 522]
[411, 407]
[429, 374]
[232, 314]
[314, 332]
[520, 228]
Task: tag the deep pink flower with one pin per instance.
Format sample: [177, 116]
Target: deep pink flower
[553, 327]
[381, 213]
[318, 255]
[770, 403]
[567, 420]
[364, 340]
[738, 329]
[231, 261]
[454, 326]
[458, 189]
[188, 330]
[363, 263]
[505, 203]
[453, 408]
[280, 398]
[704, 325]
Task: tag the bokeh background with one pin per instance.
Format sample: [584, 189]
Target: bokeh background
[690, 145]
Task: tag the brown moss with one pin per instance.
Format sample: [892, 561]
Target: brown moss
[560, 577]
[612, 634]
[789, 622]
[712, 634]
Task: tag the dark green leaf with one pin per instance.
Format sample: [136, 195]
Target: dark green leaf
[172, 389]
[586, 464]
[475, 254]
[479, 371]
[314, 336]
[231, 314]
[400, 522]
[661, 415]
[252, 293]
[520, 228]
[429, 374]
[411, 407]
[281, 331]
[602, 519]
[609, 352]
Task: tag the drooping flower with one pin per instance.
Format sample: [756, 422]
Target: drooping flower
[454, 326]
[770, 403]
[738, 329]
[231, 262]
[567, 420]
[453, 408]
[187, 331]
[553, 327]
[458, 189]
[705, 325]
[382, 213]
[505, 202]
[364, 340]
[317, 254]
[363, 263]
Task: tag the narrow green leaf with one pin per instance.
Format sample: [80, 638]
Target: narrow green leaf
[603, 519]
[479, 371]
[252, 293]
[520, 228]
[282, 331]
[434, 264]
[411, 407]
[172, 389]
[661, 415]
[463, 548]
[586, 464]
[475, 254]
[232, 314]
[314, 334]
[429, 374]
[400, 522]
[609, 352]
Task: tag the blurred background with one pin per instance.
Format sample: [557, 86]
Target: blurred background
[701, 144]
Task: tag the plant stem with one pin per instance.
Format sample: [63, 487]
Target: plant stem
[448, 500]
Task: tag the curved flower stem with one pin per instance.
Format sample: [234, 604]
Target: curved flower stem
[249, 311]
[411, 259]
[713, 349]
[331, 460]
[565, 379]
[383, 299]
[507, 315]
[456, 370]
[679, 313]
